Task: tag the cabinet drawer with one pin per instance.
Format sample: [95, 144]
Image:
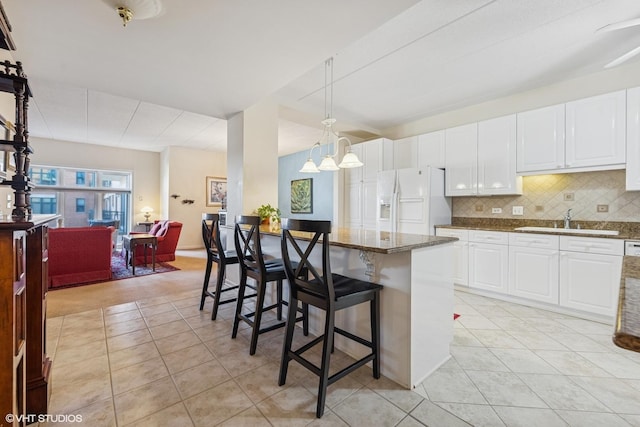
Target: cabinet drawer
[592, 245]
[540, 241]
[462, 235]
[495, 237]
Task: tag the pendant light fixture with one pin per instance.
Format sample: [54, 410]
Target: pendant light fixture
[329, 136]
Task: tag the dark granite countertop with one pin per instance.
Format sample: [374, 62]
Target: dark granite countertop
[371, 240]
[626, 230]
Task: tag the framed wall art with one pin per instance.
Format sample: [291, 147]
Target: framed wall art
[302, 196]
[216, 191]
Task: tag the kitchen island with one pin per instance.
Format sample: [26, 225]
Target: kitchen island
[416, 302]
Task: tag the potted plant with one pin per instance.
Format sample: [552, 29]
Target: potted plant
[268, 213]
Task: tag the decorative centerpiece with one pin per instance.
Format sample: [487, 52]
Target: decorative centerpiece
[268, 214]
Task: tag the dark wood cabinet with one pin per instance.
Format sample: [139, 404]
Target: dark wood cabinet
[24, 366]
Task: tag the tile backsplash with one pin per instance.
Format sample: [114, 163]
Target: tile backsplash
[549, 196]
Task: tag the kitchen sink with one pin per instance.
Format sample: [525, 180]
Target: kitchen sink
[569, 230]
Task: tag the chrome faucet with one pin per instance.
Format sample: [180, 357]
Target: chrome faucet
[567, 219]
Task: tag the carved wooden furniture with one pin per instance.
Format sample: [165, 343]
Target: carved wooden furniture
[14, 80]
[24, 366]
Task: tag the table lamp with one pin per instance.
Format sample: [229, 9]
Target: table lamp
[147, 213]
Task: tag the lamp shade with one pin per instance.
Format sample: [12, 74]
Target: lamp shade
[309, 167]
[328, 164]
[350, 160]
[146, 209]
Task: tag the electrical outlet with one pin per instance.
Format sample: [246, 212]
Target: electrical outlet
[496, 210]
[602, 208]
[518, 210]
[569, 197]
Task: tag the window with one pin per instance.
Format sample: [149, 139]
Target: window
[43, 176]
[82, 197]
[44, 204]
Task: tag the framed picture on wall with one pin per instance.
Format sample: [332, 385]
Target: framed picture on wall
[302, 196]
[216, 191]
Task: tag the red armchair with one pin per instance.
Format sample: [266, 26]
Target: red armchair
[79, 255]
[167, 233]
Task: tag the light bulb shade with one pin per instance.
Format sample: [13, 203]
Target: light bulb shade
[146, 209]
[328, 164]
[309, 167]
[350, 160]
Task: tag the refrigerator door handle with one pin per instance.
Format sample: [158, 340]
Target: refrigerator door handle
[395, 205]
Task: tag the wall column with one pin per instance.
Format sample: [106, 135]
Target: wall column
[252, 159]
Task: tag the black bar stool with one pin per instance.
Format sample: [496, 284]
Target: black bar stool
[217, 254]
[328, 292]
[253, 265]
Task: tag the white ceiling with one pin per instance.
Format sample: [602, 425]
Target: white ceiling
[173, 79]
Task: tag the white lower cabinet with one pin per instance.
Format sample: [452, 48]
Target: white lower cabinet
[488, 260]
[460, 254]
[590, 274]
[578, 273]
[533, 267]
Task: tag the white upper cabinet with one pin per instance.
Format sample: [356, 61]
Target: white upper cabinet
[583, 135]
[633, 139]
[540, 139]
[480, 158]
[354, 175]
[497, 157]
[595, 131]
[461, 156]
[431, 149]
[372, 158]
[405, 153]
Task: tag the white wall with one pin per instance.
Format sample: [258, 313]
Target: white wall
[185, 171]
[621, 77]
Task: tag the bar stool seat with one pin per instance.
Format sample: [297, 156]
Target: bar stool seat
[329, 292]
[254, 266]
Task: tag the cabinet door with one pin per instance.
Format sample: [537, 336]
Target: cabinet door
[371, 156]
[461, 157]
[369, 204]
[590, 282]
[540, 139]
[533, 273]
[488, 267]
[353, 205]
[405, 153]
[431, 150]
[354, 175]
[633, 139]
[460, 254]
[497, 157]
[596, 131]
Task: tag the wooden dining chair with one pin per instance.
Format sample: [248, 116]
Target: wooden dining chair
[329, 292]
[253, 266]
[215, 254]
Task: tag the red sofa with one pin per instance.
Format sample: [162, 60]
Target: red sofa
[79, 255]
[167, 233]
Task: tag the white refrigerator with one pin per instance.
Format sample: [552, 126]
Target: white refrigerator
[412, 201]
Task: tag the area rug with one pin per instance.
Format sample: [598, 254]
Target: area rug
[119, 271]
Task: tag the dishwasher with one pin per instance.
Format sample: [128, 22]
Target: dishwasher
[627, 333]
[632, 247]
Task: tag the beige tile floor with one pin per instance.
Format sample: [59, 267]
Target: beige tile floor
[157, 361]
